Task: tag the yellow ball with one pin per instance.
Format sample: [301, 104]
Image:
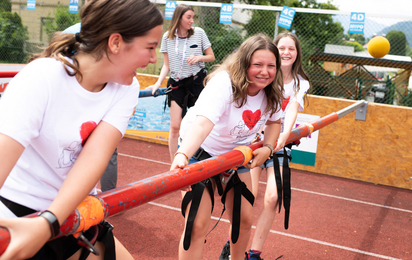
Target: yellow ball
[378, 47]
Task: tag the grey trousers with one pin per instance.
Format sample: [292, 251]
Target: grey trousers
[109, 178]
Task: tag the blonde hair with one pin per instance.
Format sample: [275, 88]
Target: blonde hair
[177, 15]
[237, 65]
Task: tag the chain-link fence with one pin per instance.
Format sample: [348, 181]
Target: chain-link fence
[338, 63]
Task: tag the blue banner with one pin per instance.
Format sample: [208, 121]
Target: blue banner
[169, 9]
[31, 5]
[226, 11]
[286, 17]
[74, 6]
[357, 23]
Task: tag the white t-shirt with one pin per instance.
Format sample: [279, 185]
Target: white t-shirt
[195, 45]
[232, 126]
[51, 114]
[290, 95]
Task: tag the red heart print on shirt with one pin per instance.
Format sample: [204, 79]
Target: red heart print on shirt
[86, 129]
[251, 118]
[285, 103]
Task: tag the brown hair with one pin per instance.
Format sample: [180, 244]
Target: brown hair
[297, 68]
[100, 19]
[177, 15]
[237, 65]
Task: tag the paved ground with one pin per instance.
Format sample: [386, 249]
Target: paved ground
[331, 218]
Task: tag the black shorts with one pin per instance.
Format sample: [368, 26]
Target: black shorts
[186, 91]
[64, 247]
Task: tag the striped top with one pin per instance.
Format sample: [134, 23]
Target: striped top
[195, 45]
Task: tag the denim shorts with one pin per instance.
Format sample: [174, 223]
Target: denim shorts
[241, 169]
[269, 162]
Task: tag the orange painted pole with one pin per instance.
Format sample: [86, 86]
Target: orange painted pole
[140, 192]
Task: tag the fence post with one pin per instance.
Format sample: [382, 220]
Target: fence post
[391, 87]
[360, 83]
[276, 26]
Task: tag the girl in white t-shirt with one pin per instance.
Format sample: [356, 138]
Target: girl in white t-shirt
[296, 85]
[240, 97]
[61, 119]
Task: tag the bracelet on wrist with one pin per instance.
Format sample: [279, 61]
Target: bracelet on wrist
[187, 158]
[53, 222]
[270, 147]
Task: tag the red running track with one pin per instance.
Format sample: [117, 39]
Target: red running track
[331, 218]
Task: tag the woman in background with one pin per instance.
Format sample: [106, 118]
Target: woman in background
[183, 47]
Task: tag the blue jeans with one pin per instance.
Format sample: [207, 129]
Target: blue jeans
[269, 162]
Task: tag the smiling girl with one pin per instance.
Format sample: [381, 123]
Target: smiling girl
[241, 96]
[61, 119]
[296, 85]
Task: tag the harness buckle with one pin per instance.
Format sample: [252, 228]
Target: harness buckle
[198, 154]
[231, 172]
[168, 89]
[86, 243]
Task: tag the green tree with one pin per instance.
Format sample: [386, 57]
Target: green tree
[224, 39]
[360, 38]
[406, 100]
[13, 36]
[357, 45]
[62, 20]
[398, 42]
[313, 30]
[5, 6]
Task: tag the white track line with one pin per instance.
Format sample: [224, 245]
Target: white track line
[353, 200]
[307, 191]
[145, 159]
[291, 235]
[296, 237]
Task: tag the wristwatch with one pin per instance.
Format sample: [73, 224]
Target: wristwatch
[270, 147]
[53, 222]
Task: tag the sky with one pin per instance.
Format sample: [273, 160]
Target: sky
[392, 7]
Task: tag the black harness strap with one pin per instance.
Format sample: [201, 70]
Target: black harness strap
[218, 184]
[195, 195]
[284, 191]
[286, 188]
[278, 179]
[184, 83]
[239, 190]
[185, 102]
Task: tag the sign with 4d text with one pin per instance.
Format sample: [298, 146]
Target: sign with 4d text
[357, 21]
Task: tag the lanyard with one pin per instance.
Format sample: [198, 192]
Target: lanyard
[177, 53]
